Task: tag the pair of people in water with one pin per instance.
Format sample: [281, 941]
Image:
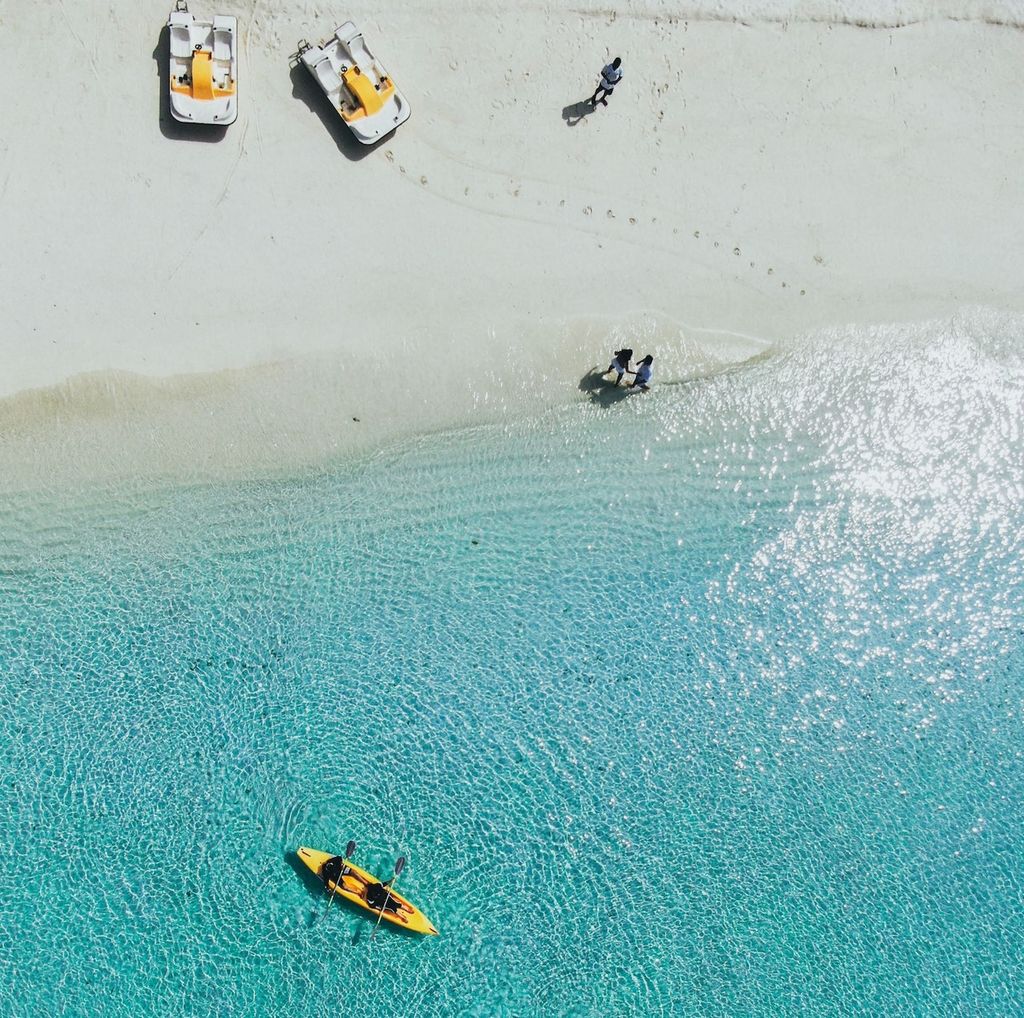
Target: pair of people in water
[641, 374]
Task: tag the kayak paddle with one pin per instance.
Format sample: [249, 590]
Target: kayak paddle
[399, 866]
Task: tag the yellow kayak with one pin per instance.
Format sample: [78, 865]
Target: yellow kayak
[362, 888]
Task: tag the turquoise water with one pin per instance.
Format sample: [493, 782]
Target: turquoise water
[705, 702]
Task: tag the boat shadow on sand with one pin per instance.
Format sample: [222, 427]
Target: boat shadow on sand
[315, 886]
[169, 127]
[307, 90]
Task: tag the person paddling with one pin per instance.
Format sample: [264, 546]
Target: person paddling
[335, 870]
[642, 375]
[379, 897]
[620, 363]
[611, 75]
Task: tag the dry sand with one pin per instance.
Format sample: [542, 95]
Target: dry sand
[189, 302]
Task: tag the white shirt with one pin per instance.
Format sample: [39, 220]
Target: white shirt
[610, 76]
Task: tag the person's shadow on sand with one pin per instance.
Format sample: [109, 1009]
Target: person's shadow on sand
[601, 388]
[573, 114]
[169, 127]
[306, 89]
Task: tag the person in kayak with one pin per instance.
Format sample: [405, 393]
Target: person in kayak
[379, 896]
[620, 363]
[334, 869]
[642, 375]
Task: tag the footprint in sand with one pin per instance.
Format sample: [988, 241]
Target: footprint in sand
[770, 271]
[803, 293]
[696, 234]
[587, 211]
[610, 214]
[423, 181]
[736, 251]
[632, 221]
[389, 156]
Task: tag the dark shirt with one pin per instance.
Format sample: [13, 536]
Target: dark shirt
[377, 894]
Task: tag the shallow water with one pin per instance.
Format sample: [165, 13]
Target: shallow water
[700, 702]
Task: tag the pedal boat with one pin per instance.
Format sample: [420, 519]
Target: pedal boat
[360, 90]
[203, 67]
[355, 881]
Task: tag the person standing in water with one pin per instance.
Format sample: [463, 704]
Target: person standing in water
[620, 363]
[611, 75]
[642, 376]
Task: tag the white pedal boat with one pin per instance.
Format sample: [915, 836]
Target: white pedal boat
[203, 67]
[355, 81]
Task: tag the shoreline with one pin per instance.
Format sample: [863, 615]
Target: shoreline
[279, 420]
[100, 428]
[756, 179]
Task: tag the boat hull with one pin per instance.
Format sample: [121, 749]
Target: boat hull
[356, 83]
[352, 888]
[202, 68]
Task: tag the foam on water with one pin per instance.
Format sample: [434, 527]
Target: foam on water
[703, 701]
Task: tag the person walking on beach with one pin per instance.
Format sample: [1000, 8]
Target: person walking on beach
[642, 376]
[611, 75]
[620, 363]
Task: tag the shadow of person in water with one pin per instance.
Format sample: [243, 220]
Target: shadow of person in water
[306, 89]
[600, 387]
[573, 114]
[169, 127]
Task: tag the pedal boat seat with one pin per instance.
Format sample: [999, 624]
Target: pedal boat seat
[198, 82]
[202, 75]
[370, 97]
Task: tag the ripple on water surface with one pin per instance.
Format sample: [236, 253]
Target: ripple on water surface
[704, 702]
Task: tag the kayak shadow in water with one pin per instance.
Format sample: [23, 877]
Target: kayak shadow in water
[313, 883]
[601, 388]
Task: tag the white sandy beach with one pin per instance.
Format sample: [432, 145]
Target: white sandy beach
[194, 303]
